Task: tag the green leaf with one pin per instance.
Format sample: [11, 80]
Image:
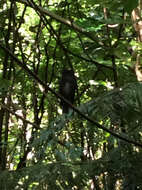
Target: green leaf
[129, 5]
[4, 85]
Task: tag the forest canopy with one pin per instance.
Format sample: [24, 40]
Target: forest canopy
[96, 143]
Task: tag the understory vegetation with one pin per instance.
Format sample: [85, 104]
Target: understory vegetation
[97, 145]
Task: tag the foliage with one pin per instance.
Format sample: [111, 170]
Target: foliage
[98, 146]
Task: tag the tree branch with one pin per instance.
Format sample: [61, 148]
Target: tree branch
[47, 88]
[60, 19]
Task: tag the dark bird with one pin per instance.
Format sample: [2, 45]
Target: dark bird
[68, 85]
